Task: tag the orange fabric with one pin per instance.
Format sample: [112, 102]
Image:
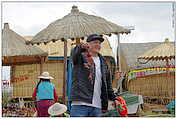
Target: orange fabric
[121, 100]
[123, 104]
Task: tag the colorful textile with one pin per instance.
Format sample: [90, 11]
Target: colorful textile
[42, 107]
[121, 106]
[130, 98]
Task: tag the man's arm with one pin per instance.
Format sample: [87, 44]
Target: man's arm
[76, 53]
[111, 94]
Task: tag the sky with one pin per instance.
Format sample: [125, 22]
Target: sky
[152, 21]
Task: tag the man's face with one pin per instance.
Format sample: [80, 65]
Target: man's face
[95, 46]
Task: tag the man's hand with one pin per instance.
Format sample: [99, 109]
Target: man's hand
[104, 111]
[85, 45]
[116, 102]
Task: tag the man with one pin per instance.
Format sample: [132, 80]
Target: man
[91, 85]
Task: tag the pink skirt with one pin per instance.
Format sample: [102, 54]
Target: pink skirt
[42, 107]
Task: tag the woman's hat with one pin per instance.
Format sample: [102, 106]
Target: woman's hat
[57, 109]
[45, 75]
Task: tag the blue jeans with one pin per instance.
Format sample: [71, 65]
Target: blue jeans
[84, 111]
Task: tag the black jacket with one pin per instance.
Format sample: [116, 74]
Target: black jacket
[82, 88]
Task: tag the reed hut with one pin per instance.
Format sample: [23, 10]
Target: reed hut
[16, 53]
[128, 59]
[157, 88]
[155, 80]
[25, 77]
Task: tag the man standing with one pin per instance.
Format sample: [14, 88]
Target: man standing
[91, 85]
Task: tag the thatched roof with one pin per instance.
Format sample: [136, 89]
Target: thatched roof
[76, 25]
[164, 51]
[57, 49]
[15, 50]
[132, 50]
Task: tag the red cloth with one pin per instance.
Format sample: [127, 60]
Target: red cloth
[124, 109]
[55, 95]
[35, 93]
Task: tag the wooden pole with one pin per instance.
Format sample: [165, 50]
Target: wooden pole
[167, 76]
[119, 63]
[118, 50]
[65, 71]
[41, 64]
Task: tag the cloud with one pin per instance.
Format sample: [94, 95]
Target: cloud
[152, 19]
[25, 16]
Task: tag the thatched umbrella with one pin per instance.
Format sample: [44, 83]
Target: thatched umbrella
[75, 25]
[16, 52]
[164, 51]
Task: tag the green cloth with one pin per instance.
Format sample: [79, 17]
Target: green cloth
[119, 107]
[171, 107]
[171, 110]
[130, 98]
[66, 115]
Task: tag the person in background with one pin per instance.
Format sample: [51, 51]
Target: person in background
[45, 94]
[91, 84]
[58, 110]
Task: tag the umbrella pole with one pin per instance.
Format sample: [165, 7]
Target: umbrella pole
[118, 50]
[65, 71]
[41, 64]
[119, 62]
